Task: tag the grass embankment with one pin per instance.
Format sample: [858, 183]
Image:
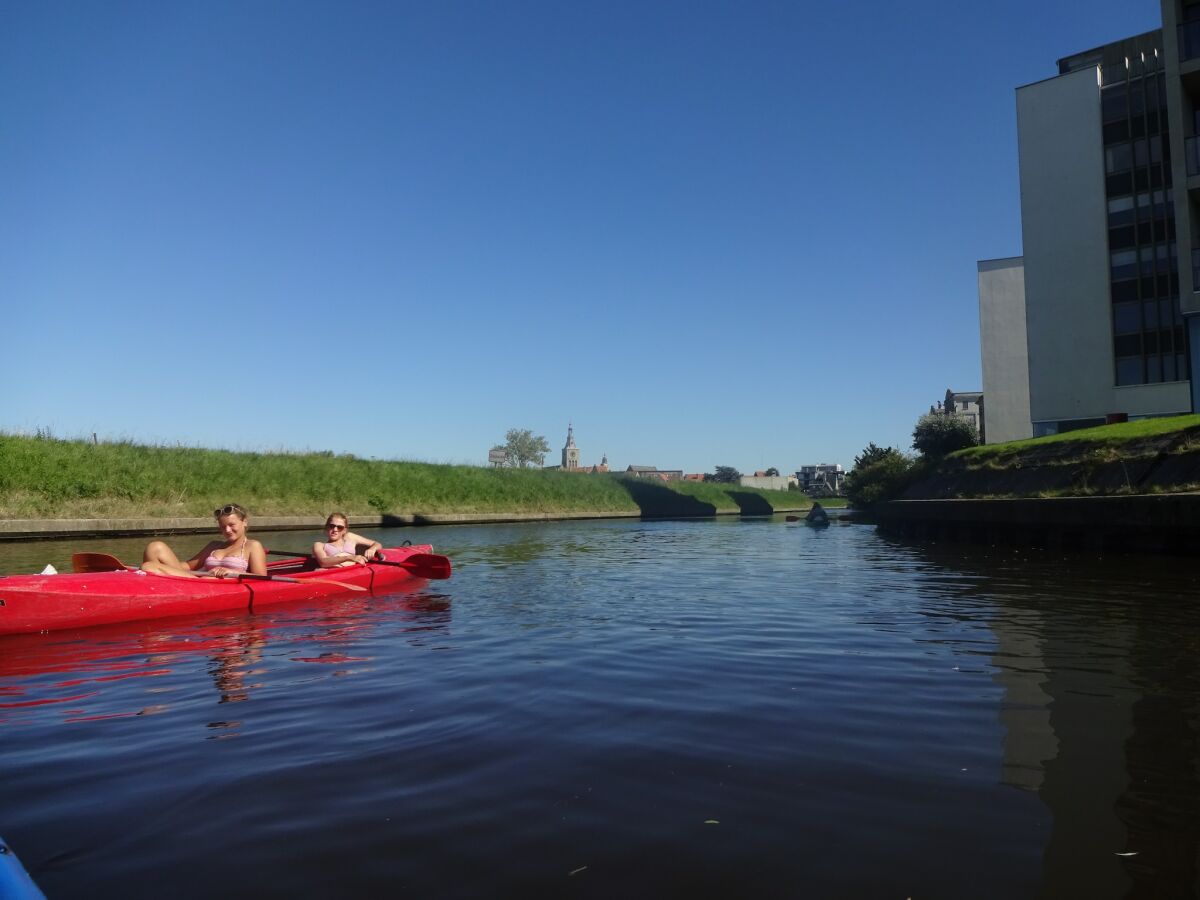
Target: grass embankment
[50, 478]
[1147, 456]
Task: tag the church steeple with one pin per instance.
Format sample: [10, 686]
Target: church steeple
[570, 453]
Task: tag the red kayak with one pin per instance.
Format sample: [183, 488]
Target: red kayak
[31, 603]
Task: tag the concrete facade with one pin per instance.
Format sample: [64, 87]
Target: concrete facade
[1004, 350]
[1064, 229]
[767, 482]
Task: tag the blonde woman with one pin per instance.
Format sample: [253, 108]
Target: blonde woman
[237, 554]
[340, 547]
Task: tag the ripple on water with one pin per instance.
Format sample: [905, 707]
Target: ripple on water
[714, 708]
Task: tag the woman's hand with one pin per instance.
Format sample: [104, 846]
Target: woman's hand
[360, 559]
[221, 572]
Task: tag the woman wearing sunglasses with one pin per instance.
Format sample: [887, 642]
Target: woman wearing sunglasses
[235, 555]
[340, 547]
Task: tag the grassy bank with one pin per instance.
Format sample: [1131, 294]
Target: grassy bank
[50, 478]
[1147, 456]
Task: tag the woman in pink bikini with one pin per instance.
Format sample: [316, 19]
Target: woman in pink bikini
[340, 548]
[236, 555]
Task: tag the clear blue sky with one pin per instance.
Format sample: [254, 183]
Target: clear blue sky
[708, 234]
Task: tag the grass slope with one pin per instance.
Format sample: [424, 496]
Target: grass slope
[49, 478]
[1148, 456]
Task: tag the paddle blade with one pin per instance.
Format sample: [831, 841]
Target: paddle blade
[428, 565]
[96, 562]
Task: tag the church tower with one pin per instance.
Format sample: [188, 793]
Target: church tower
[570, 453]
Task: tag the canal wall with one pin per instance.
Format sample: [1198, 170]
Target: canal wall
[1156, 523]
[58, 529]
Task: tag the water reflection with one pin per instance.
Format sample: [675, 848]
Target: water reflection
[86, 674]
[1100, 671]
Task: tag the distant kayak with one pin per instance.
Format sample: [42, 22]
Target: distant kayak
[817, 517]
[15, 883]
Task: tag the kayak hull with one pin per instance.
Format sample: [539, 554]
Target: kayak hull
[33, 603]
[15, 883]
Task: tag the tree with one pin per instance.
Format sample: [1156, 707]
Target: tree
[524, 448]
[724, 475]
[937, 434]
[772, 472]
[872, 454]
[879, 474]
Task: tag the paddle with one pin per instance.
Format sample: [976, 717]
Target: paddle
[422, 565]
[104, 562]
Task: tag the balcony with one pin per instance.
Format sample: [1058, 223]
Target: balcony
[1189, 41]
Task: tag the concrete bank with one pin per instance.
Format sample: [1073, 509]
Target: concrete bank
[1153, 523]
[58, 529]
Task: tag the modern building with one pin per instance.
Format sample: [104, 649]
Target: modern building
[822, 479]
[1005, 351]
[1110, 186]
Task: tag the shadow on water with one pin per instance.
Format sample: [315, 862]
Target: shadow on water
[656, 501]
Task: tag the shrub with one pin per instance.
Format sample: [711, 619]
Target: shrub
[937, 434]
[878, 481]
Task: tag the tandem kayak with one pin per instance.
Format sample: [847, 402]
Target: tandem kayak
[31, 603]
[15, 883]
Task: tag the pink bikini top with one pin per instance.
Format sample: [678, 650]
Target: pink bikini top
[229, 562]
[337, 550]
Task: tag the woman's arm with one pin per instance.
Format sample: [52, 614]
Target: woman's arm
[197, 561]
[371, 550]
[324, 560]
[258, 558]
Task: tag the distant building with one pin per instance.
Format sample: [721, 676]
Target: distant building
[694, 476]
[570, 458]
[822, 479]
[968, 404]
[652, 472]
[768, 482]
[570, 453]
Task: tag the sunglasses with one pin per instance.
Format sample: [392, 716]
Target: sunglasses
[332, 526]
[229, 510]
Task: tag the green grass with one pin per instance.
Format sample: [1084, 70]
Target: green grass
[42, 477]
[1100, 437]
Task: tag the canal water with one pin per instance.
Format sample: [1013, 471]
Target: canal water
[627, 709]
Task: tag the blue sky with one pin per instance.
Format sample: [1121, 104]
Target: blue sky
[706, 233]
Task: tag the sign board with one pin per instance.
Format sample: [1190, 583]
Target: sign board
[497, 457]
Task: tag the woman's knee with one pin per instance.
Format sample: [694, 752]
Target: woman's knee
[156, 550]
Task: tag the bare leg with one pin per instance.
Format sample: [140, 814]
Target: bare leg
[160, 558]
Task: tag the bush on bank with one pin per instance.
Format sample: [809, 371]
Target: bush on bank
[43, 477]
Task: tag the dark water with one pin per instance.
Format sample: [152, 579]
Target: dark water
[628, 709]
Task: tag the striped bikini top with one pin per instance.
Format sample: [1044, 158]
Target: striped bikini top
[229, 562]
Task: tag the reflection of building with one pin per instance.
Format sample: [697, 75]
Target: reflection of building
[1109, 159]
